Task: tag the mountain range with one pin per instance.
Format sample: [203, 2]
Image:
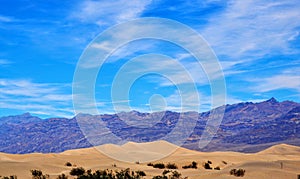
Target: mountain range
[246, 127]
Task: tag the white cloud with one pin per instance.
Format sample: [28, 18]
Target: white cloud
[129, 49]
[288, 79]
[185, 100]
[6, 19]
[253, 28]
[281, 81]
[183, 70]
[198, 99]
[5, 62]
[37, 98]
[108, 12]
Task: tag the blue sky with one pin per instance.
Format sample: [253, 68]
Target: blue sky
[257, 44]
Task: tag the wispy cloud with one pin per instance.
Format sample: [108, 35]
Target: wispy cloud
[288, 79]
[37, 98]
[190, 100]
[6, 19]
[109, 12]
[183, 68]
[254, 29]
[5, 62]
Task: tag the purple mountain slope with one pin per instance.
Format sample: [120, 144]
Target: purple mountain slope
[246, 127]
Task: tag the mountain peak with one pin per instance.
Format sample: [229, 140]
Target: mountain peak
[79, 115]
[27, 114]
[272, 100]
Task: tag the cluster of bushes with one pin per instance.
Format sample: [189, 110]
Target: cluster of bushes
[171, 166]
[62, 176]
[172, 175]
[10, 177]
[238, 172]
[163, 166]
[81, 173]
[159, 165]
[192, 165]
[207, 166]
[38, 174]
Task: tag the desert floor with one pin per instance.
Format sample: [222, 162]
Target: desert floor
[278, 162]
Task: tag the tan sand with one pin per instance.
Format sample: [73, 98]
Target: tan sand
[261, 165]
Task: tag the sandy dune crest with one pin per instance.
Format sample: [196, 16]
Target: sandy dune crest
[280, 161]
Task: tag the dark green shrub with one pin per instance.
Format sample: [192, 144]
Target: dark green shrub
[186, 166]
[38, 174]
[160, 177]
[217, 168]
[10, 177]
[68, 164]
[175, 175]
[165, 172]
[171, 166]
[105, 174]
[150, 164]
[193, 165]
[238, 172]
[123, 174]
[77, 171]
[62, 176]
[159, 165]
[141, 173]
[207, 166]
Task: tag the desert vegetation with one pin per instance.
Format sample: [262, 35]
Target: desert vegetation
[62, 176]
[38, 174]
[168, 174]
[171, 166]
[8, 177]
[163, 166]
[207, 166]
[238, 172]
[81, 173]
[68, 164]
[217, 168]
[159, 165]
[192, 165]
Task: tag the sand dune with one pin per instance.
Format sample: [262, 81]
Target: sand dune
[282, 149]
[280, 161]
[138, 152]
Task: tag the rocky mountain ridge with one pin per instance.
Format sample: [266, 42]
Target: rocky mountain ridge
[246, 127]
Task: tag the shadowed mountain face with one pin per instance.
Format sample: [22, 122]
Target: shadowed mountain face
[247, 127]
